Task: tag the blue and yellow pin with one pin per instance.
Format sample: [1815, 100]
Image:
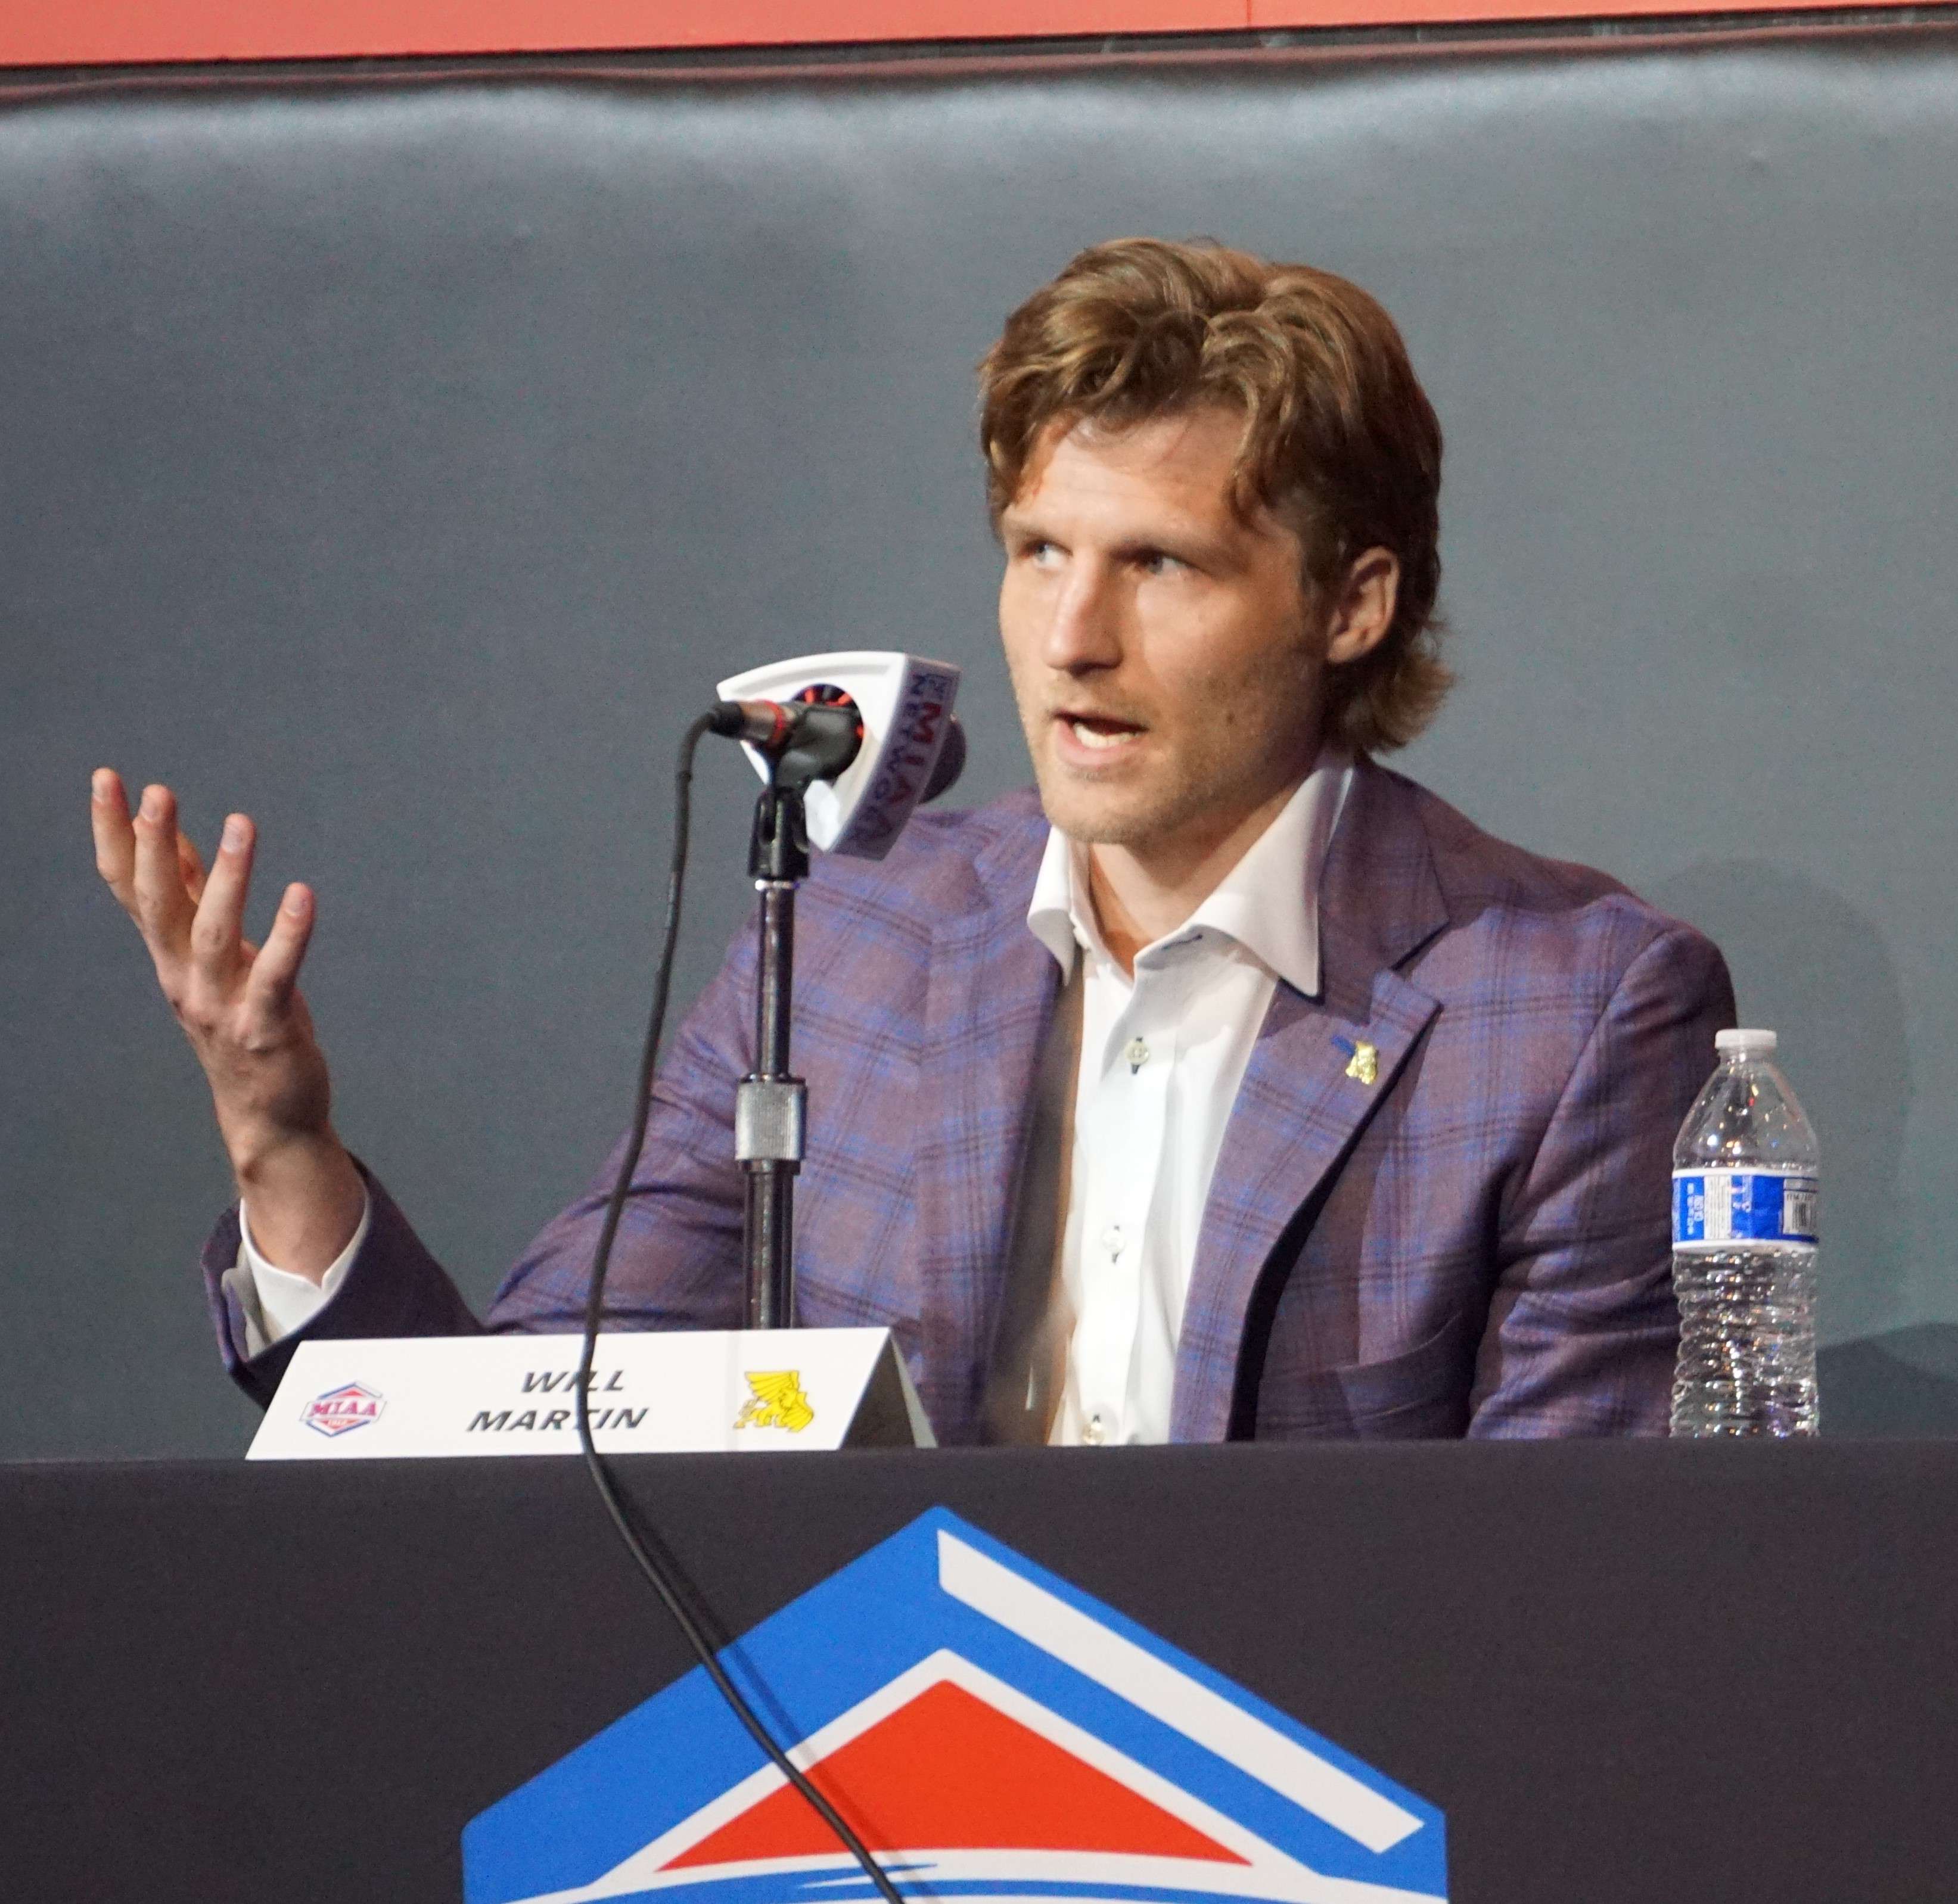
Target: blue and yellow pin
[1363, 1060]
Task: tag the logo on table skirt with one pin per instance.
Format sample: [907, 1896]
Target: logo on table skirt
[342, 1410]
[992, 1733]
[775, 1400]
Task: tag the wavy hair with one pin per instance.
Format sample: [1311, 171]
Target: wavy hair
[1339, 440]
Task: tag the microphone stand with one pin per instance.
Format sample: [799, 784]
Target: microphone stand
[817, 739]
[771, 1105]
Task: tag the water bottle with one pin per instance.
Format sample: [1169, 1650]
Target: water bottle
[1744, 1185]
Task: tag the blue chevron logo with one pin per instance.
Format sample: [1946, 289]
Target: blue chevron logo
[992, 1733]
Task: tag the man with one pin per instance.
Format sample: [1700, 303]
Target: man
[1237, 1087]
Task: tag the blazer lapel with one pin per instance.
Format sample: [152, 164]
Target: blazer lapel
[991, 998]
[1306, 1093]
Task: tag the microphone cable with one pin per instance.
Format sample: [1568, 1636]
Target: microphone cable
[647, 1561]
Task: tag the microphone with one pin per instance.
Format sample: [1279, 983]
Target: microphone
[830, 733]
[868, 735]
[951, 762]
[803, 739]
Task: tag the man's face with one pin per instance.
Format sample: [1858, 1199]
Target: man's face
[1163, 651]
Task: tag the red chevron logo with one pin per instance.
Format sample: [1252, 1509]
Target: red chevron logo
[951, 1771]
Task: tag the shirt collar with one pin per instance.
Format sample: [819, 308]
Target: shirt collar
[1267, 903]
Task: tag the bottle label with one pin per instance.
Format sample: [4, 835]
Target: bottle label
[1713, 1209]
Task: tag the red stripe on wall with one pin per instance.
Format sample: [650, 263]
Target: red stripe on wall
[1396, 13]
[86, 32]
[63, 33]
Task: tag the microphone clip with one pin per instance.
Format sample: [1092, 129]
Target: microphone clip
[778, 843]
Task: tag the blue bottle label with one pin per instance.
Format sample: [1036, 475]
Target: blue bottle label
[1712, 1208]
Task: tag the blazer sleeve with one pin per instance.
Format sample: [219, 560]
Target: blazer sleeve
[1583, 1329]
[676, 1263]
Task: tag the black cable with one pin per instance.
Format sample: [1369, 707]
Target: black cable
[594, 1309]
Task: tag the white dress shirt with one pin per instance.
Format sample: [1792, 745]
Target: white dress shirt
[1162, 1055]
[287, 1302]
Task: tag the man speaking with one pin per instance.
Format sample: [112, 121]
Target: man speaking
[1234, 1086]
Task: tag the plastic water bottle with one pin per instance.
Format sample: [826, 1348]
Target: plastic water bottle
[1744, 1177]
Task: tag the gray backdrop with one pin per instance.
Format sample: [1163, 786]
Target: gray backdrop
[403, 461]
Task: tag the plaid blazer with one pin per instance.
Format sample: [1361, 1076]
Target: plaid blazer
[1474, 1239]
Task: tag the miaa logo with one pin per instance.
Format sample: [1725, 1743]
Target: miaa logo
[340, 1410]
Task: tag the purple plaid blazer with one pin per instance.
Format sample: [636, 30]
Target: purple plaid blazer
[1476, 1242]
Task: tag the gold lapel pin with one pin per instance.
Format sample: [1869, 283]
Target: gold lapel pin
[1363, 1061]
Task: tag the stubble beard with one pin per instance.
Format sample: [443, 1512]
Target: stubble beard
[1220, 768]
[1145, 811]
[1103, 817]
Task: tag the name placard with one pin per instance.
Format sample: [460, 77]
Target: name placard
[694, 1392]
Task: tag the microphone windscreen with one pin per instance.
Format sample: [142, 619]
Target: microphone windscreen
[951, 761]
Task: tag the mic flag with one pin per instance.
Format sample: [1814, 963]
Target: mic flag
[912, 748]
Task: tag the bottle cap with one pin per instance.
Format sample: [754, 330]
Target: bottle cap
[1745, 1044]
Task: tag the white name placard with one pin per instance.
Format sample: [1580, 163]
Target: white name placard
[649, 1393]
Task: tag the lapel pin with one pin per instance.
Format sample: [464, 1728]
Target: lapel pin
[1363, 1060]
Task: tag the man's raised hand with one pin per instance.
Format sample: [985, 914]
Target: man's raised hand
[240, 1006]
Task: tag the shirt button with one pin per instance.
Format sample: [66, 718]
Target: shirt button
[1094, 1429]
[1112, 1239]
[1137, 1054]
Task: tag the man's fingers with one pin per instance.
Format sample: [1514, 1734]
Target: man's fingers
[215, 933]
[268, 991]
[190, 861]
[163, 907]
[115, 838]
